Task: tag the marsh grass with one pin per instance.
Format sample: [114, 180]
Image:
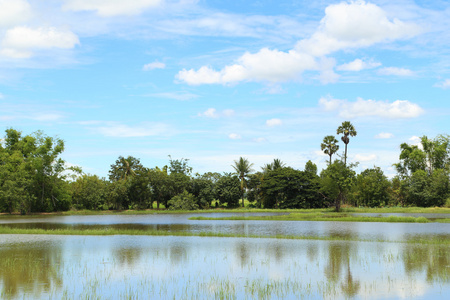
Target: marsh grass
[322, 217]
[108, 232]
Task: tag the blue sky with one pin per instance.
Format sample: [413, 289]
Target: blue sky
[211, 81]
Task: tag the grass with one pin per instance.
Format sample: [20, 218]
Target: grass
[110, 232]
[323, 217]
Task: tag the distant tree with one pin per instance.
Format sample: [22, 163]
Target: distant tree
[183, 201]
[329, 146]
[371, 188]
[124, 168]
[228, 190]
[161, 186]
[336, 181]
[242, 168]
[311, 167]
[89, 192]
[347, 129]
[289, 188]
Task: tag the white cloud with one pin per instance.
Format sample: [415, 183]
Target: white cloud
[121, 130]
[265, 65]
[443, 85]
[14, 12]
[154, 65]
[213, 113]
[19, 42]
[365, 158]
[273, 122]
[345, 25]
[234, 136]
[110, 8]
[384, 135]
[396, 71]
[398, 109]
[354, 25]
[358, 65]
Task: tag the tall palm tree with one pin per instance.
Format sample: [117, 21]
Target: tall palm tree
[242, 167]
[347, 130]
[329, 145]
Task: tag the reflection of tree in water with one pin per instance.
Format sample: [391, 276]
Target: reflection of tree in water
[275, 250]
[178, 254]
[127, 256]
[432, 259]
[30, 270]
[338, 259]
[242, 252]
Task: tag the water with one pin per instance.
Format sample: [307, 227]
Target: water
[142, 267]
[181, 223]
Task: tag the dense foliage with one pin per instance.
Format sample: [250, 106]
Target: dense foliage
[34, 178]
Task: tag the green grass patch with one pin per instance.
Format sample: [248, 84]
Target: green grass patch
[322, 217]
[109, 232]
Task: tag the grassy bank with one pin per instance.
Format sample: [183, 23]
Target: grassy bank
[323, 217]
[110, 232]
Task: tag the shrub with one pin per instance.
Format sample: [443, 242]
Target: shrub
[183, 201]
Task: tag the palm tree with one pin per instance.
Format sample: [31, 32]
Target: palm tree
[242, 167]
[329, 145]
[276, 164]
[347, 130]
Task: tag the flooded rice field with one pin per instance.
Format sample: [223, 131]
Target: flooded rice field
[385, 264]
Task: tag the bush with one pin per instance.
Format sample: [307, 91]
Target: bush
[183, 201]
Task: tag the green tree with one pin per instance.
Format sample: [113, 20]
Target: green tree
[228, 190]
[329, 146]
[123, 168]
[160, 186]
[336, 181]
[311, 167]
[89, 192]
[289, 188]
[347, 129]
[371, 188]
[183, 201]
[242, 168]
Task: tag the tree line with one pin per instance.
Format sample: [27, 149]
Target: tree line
[34, 178]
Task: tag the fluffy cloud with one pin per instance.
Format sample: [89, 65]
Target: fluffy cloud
[345, 26]
[398, 109]
[265, 65]
[109, 8]
[154, 65]
[384, 135]
[19, 42]
[358, 65]
[396, 71]
[14, 12]
[273, 122]
[354, 25]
